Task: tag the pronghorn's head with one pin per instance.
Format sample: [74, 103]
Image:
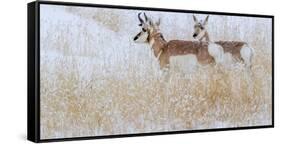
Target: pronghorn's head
[148, 28]
[200, 28]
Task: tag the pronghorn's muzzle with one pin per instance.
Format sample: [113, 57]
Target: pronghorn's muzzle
[137, 36]
[195, 35]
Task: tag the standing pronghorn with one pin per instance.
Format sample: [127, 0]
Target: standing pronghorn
[239, 50]
[164, 50]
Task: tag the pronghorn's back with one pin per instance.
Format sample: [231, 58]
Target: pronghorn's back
[233, 47]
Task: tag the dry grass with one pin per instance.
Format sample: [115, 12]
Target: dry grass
[93, 87]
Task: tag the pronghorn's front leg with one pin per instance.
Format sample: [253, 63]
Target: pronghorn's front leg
[164, 61]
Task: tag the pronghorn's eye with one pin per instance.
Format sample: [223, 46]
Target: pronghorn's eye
[199, 26]
[140, 24]
[143, 29]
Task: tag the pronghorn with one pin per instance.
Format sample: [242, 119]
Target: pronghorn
[164, 50]
[238, 50]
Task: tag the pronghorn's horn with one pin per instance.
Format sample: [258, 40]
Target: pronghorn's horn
[146, 18]
[141, 20]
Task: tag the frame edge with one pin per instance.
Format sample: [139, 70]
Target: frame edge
[32, 105]
[33, 73]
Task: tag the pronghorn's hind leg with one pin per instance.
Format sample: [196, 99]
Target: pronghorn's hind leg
[247, 54]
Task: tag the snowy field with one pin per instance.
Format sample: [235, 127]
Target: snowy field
[96, 81]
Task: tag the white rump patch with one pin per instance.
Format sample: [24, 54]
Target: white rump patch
[247, 55]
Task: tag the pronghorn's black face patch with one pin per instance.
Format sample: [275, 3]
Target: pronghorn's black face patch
[137, 36]
[142, 33]
[142, 36]
[144, 30]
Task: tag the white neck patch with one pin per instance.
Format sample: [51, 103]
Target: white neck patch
[151, 42]
[201, 35]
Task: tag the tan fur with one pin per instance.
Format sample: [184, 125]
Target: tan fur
[179, 47]
[233, 47]
[164, 50]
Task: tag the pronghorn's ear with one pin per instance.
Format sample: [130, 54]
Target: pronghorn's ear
[158, 22]
[206, 20]
[195, 19]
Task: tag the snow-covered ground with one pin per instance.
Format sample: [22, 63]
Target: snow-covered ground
[96, 81]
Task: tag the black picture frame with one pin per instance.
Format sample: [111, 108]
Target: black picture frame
[33, 105]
